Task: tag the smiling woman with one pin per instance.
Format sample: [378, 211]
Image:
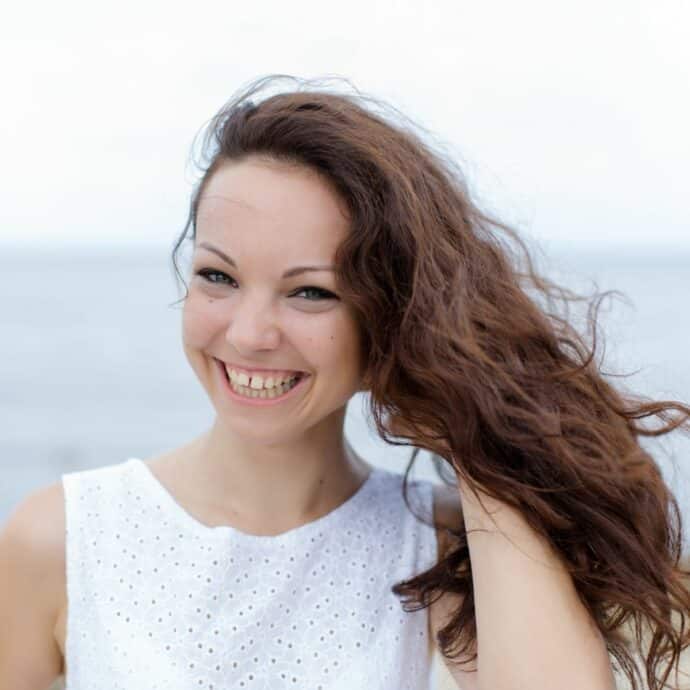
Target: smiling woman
[333, 252]
[258, 217]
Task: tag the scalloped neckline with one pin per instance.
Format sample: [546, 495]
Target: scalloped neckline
[326, 521]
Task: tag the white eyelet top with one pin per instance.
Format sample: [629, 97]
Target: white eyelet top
[159, 601]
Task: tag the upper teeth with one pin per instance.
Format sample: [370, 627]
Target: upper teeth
[257, 382]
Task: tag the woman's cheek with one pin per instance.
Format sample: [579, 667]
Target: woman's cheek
[202, 317]
[318, 331]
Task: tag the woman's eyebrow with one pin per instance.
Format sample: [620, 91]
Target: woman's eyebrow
[296, 270]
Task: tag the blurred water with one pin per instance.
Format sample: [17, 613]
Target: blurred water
[92, 369]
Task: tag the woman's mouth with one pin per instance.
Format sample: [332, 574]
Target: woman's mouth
[242, 390]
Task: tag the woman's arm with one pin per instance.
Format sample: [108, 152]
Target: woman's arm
[532, 630]
[448, 514]
[32, 572]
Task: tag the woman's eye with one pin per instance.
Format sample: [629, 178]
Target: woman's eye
[205, 273]
[321, 293]
[209, 275]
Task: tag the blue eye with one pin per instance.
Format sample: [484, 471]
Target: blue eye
[323, 294]
[208, 274]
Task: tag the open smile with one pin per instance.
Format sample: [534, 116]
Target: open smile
[260, 397]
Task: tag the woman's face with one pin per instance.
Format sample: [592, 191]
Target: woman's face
[269, 218]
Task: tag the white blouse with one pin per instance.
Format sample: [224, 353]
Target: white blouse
[159, 601]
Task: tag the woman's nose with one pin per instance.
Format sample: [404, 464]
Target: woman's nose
[253, 326]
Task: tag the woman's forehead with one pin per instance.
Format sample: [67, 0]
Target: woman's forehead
[271, 193]
[228, 219]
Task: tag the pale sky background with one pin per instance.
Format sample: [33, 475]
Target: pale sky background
[570, 118]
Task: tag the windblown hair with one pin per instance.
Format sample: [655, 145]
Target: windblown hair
[496, 383]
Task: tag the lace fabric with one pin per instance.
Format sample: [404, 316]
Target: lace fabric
[157, 600]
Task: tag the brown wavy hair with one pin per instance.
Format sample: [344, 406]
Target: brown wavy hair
[471, 356]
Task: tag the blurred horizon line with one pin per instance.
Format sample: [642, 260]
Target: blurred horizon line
[538, 247]
[71, 241]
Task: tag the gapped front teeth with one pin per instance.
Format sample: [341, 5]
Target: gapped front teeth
[257, 382]
[264, 393]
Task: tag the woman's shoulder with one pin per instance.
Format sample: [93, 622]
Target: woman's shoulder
[37, 527]
[445, 504]
[447, 514]
[32, 540]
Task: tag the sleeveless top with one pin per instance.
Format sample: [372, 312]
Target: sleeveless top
[159, 601]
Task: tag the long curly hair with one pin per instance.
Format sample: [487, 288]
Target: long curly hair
[472, 355]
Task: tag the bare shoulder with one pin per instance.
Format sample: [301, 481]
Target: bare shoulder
[32, 586]
[37, 524]
[448, 515]
[35, 533]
